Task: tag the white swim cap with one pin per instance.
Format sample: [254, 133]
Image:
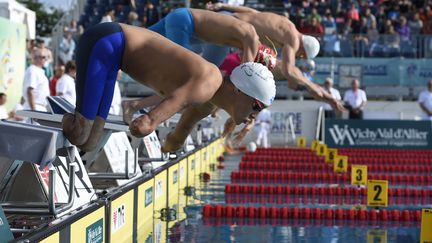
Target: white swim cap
[255, 80]
[311, 46]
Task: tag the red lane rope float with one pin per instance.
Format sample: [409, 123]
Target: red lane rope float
[320, 191]
[229, 211]
[357, 154]
[323, 167]
[308, 199]
[353, 160]
[321, 178]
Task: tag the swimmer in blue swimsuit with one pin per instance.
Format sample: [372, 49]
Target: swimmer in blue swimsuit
[210, 33]
[184, 80]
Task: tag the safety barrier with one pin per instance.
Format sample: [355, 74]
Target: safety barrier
[138, 211]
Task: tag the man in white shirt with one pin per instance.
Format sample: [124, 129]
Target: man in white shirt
[355, 100]
[115, 108]
[328, 87]
[425, 102]
[3, 112]
[262, 127]
[36, 84]
[65, 86]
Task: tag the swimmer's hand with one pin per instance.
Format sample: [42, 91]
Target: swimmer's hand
[142, 126]
[172, 143]
[337, 105]
[229, 127]
[213, 6]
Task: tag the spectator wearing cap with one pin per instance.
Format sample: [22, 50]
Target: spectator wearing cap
[65, 86]
[425, 101]
[328, 87]
[3, 112]
[36, 85]
[355, 100]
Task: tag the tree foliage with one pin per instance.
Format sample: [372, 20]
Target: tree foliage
[45, 20]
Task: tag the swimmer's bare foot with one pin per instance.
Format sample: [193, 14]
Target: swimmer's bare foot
[95, 135]
[128, 107]
[76, 128]
[142, 126]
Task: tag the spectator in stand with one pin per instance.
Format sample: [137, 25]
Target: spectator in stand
[67, 48]
[425, 101]
[40, 43]
[416, 24]
[404, 30]
[328, 87]
[392, 42]
[353, 13]
[31, 44]
[314, 14]
[109, 15]
[152, 14]
[370, 18]
[58, 72]
[314, 28]
[355, 100]
[133, 19]
[36, 85]
[331, 44]
[3, 112]
[298, 17]
[328, 23]
[65, 86]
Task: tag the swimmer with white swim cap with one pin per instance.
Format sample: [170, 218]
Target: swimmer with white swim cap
[280, 31]
[184, 80]
[252, 79]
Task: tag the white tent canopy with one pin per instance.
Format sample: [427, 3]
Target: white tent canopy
[16, 12]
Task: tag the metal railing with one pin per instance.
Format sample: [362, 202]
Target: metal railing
[386, 46]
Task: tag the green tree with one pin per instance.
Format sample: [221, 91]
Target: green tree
[45, 20]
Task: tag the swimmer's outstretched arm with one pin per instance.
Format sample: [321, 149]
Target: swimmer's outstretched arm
[176, 101]
[295, 78]
[190, 117]
[129, 107]
[223, 6]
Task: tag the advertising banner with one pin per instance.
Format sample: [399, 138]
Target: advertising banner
[374, 71]
[12, 60]
[378, 134]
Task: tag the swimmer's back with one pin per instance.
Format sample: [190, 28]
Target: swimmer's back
[272, 25]
[159, 63]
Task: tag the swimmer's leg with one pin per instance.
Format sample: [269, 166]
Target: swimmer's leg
[104, 107]
[129, 107]
[97, 49]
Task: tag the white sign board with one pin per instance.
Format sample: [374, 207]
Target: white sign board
[84, 191]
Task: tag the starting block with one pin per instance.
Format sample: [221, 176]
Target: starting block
[55, 181]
